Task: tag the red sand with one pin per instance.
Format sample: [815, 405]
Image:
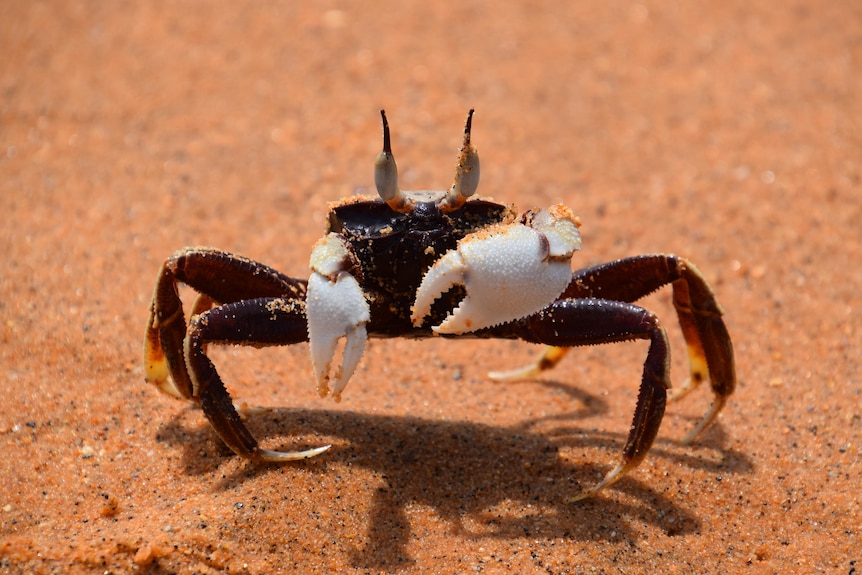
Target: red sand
[728, 132]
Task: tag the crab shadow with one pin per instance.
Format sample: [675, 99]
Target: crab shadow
[486, 481]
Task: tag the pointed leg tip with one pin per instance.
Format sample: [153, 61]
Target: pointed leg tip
[612, 477]
[165, 384]
[282, 456]
[709, 417]
[513, 375]
[689, 438]
[583, 495]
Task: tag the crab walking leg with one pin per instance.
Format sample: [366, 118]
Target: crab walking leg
[578, 322]
[710, 351]
[708, 341]
[219, 277]
[257, 322]
[164, 364]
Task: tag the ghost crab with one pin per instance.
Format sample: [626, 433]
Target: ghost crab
[433, 263]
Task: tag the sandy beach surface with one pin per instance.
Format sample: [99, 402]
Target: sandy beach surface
[727, 132]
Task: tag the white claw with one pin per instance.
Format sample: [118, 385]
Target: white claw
[335, 308]
[509, 272]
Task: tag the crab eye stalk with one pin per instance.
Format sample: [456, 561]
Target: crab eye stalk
[386, 174]
[466, 172]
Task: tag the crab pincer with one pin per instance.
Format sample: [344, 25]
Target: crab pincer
[335, 308]
[509, 271]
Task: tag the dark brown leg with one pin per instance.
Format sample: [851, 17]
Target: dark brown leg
[710, 351]
[592, 321]
[220, 277]
[257, 322]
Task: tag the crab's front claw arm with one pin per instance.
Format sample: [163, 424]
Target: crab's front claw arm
[509, 272]
[335, 308]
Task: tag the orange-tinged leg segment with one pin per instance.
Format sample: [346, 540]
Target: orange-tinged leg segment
[547, 359]
[221, 280]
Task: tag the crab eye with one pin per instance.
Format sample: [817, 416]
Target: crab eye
[466, 172]
[385, 170]
[386, 174]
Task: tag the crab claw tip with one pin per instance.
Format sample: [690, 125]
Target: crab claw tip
[447, 272]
